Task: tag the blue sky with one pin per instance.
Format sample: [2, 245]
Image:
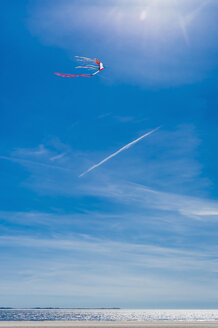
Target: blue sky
[140, 231]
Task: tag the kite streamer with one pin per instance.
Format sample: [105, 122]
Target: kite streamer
[94, 64]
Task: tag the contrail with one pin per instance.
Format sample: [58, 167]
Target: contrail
[118, 151]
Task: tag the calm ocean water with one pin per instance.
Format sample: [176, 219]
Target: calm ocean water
[107, 315]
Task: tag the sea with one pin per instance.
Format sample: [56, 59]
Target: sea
[107, 315]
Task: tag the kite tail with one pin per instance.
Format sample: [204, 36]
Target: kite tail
[89, 67]
[85, 59]
[86, 63]
[71, 75]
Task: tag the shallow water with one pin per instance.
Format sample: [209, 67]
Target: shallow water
[107, 315]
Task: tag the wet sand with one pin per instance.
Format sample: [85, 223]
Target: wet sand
[107, 324]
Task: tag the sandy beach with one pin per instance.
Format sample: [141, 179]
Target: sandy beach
[93, 324]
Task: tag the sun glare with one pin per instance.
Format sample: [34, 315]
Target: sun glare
[166, 18]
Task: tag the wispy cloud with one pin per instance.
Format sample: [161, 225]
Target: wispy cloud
[54, 158]
[118, 151]
[186, 20]
[34, 163]
[88, 268]
[139, 255]
[146, 197]
[101, 116]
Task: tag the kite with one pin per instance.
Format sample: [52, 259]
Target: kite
[88, 64]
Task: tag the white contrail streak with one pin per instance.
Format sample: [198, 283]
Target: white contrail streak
[118, 151]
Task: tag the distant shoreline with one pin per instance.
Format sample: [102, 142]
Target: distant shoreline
[104, 308]
[58, 308]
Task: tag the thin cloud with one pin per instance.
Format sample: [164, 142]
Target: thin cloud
[54, 158]
[34, 163]
[185, 21]
[118, 151]
[131, 254]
